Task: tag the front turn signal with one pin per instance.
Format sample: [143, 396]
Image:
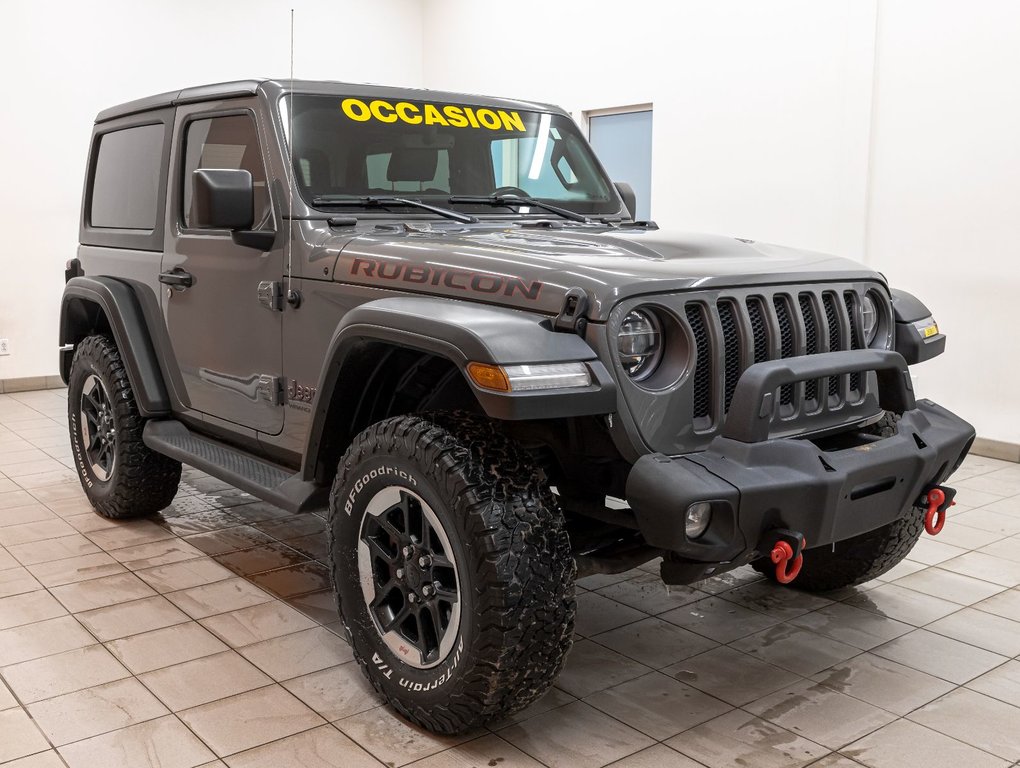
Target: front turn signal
[488, 376]
[529, 378]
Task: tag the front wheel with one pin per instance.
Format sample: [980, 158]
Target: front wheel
[452, 569]
[855, 560]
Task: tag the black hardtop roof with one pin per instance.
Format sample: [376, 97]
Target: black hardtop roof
[237, 88]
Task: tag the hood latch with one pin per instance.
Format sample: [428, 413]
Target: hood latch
[573, 316]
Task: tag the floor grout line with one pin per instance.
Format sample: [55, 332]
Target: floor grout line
[748, 600]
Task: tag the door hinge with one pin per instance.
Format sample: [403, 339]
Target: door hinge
[270, 389]
[271, 295]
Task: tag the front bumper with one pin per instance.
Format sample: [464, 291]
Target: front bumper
[756, 484]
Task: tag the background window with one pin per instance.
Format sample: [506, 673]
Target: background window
[623, 142]
[225, 142]
[125, 186]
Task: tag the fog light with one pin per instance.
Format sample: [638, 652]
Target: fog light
[697, 518]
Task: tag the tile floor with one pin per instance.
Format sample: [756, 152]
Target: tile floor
[208, 636]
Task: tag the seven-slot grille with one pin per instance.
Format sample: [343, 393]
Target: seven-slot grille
[733, 333]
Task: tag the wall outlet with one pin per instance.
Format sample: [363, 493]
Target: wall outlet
[5, 347]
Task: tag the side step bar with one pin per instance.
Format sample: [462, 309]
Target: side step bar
[269, 482]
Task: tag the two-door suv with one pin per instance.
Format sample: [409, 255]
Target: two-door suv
[435, 314]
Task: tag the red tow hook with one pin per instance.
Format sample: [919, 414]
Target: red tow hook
[787, 566]
[936, 502]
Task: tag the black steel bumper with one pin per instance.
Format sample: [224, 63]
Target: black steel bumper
[756, 484]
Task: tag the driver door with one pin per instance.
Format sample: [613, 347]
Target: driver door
[225, 336]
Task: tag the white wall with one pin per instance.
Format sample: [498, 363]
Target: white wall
[882, 130]
[761, 109]
[65, 61]
[945, 192]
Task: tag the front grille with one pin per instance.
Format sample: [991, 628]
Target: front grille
[785, 341]
[807, 311]
[731, 337]
[774, 324]
[850, 299]
[759, 328]
[835, 335]
[703, 365]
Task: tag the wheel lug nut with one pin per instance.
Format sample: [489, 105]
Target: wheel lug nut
[408, 551]
[424, 561]
[400, 573]
[427, 590]
[412, 598]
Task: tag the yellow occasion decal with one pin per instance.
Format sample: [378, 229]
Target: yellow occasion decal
[432, 114]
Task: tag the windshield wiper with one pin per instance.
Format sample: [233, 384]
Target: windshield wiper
[510, 201]
[382, 201]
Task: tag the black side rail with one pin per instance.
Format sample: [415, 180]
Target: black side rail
[755, 399]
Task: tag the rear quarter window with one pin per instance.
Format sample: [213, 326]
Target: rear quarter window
[125, 186]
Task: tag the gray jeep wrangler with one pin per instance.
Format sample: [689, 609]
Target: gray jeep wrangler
[435, 314]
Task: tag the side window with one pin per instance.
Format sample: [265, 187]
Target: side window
[225, 142]
[125, 186]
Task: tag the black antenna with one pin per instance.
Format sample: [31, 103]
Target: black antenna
[293, 297]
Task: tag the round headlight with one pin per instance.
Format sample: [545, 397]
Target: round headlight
[869, 318]
[639, 343]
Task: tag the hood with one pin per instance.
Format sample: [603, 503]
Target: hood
[533, 268]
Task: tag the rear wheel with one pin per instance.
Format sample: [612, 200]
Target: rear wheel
[452, 568]
[856, 560]
[121, 476]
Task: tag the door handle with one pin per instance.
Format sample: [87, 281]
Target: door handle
[177, 278]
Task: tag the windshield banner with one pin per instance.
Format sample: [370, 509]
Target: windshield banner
[455, 116]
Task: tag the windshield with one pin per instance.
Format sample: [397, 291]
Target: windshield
[353, 147]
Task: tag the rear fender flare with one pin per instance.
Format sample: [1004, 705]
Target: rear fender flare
[119, 305]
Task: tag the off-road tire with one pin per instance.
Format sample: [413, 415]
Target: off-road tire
[856, 560]
[887, 426]
[513, 558]
[142, 481]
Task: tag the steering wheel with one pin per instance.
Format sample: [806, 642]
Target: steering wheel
[510, 192]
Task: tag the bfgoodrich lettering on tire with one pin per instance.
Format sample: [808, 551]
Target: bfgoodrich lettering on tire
[452, 569]
[121, 476]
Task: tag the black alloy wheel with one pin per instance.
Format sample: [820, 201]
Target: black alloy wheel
[98, 432]
[409, 577]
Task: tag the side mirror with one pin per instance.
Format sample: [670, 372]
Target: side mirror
[222, 199]
[629, 198]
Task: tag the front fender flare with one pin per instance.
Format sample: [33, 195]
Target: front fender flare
[465, 332]
[908, 310]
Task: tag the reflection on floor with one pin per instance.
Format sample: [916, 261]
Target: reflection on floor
[208, 636]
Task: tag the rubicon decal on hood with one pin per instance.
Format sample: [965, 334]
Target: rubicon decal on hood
[416, 113]
[376, 270]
